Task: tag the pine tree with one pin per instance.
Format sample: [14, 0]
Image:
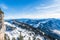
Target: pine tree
[8, 38]
[38, 39]
[13, 39]
[20, 37]
[34, 38]
[5, 37]
[29, 38]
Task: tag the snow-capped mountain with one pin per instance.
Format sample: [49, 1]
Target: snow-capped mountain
[50, 28]
[13, 31]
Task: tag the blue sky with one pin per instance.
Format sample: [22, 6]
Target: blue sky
[14, 9]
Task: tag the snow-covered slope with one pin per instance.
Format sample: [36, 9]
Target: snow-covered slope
[50, 27]
[13, 31]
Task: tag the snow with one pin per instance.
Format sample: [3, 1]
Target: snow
[37, 24]
[6, 23]
[16, 32]
[56, 31]
[39, 37]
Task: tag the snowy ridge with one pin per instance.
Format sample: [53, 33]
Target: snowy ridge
[56, 31]
[6, 23]
[49, 27]
[16, 32]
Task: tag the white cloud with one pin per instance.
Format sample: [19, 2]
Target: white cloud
[51, 11]
[3, 6]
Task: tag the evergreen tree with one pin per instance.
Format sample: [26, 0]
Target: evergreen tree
[29, 38]
[5, 37]
[20, 37]
[13, 38]
[34, 38]
[8, 38]
[38, 39]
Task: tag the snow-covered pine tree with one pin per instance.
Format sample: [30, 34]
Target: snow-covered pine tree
[20, 37]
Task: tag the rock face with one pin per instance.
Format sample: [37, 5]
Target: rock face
[2, 36]
[2, 27]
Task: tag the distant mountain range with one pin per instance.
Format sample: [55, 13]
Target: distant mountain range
[50, 26]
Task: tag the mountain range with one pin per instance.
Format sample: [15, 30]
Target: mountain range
[50, 27]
